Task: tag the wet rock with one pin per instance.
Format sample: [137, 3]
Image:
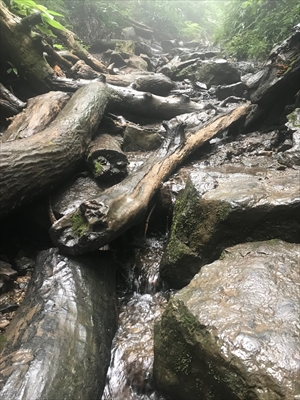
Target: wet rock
[6, 271]
[137, 138]
[237, 89]
[217, 209]
[154, 83]
[218, 72]
[278, 84]
[23, 264]
[63, 330]
[233, 332]
[291, 157]
[137, 62]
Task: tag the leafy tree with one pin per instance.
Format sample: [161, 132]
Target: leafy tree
[251, 28]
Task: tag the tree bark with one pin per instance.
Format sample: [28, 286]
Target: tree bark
[25, 52]
[73, 44]
[39, 113]
[106, 159]
[21, 50]
[9, 102]
[58, 345]
[30, 167]
[96, 222]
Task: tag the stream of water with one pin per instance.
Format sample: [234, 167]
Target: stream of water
[129, 375]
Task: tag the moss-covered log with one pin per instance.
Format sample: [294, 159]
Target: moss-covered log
[58, 345]
[20, 48]
[24, 51]
[30, 167]
[106, 159]
[96, 222]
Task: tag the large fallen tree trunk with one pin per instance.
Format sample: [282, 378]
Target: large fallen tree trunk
[96, 222]
[39, 113]
[58, 345]
[30, 167]
[25, 52]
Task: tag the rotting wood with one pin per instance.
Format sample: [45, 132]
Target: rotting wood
[123, 205]
[32, 166]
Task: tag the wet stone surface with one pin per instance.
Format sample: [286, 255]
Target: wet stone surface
[130, 375]
[233, 332]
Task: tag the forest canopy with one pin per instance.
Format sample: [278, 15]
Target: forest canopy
[244, 29]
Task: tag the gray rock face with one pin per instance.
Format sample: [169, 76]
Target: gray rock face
[236, 89]
[217, 72]
[233, 332]
[291, 157]
[218, 209]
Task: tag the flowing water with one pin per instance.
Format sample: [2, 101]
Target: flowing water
[129, 375]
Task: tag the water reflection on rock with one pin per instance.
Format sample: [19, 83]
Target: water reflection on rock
[130, 374]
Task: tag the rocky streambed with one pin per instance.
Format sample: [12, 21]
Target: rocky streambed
[207, 278]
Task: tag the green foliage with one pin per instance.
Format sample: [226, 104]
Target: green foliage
[27, 7]
[192, 30]
[251, 28]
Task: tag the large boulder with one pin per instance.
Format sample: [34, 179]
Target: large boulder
[233, 332]
[218, 209]
[217, 72]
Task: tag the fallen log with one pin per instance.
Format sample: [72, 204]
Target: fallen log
[39, 113]
[30, 167]
[106, 159]
[148, 105]
[97, 222]
[10, 102]
[58, 345]
[72, 42]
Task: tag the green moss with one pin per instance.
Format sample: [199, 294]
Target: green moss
[196, 221]
[293, 119]
[79, 224]
[293, 63]
[125, 46]
[98, 168]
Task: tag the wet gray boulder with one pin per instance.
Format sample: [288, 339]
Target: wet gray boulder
[138, 138]
[58, 345]
[233, 332]
[236, 89]
[291, 157]
[219, 208]
[210, 72]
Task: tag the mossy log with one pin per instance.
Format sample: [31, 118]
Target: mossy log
[96, 222]
[106, 159]
[21, 50]
[32, 166]
[58, 345]
[25, 51]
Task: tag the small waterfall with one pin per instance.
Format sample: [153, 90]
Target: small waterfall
[129, 375]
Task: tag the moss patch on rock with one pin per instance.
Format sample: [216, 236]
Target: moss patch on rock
[79, 224]
[195, 231]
